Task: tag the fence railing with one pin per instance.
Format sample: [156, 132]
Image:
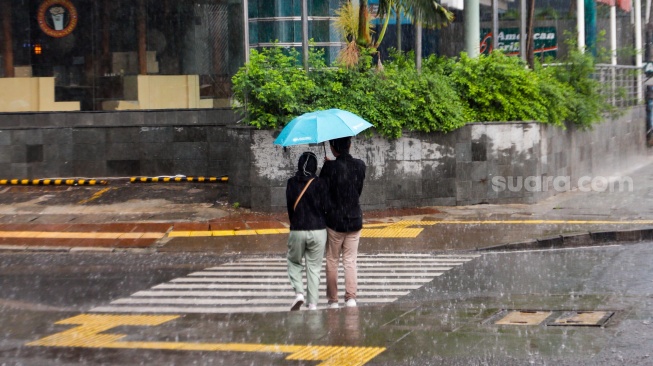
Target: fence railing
[621, 84]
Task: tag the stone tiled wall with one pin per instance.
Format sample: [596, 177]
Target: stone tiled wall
[418, 169]
[459, 168]
[114, 144]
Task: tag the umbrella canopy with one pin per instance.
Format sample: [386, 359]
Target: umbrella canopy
[320, 126]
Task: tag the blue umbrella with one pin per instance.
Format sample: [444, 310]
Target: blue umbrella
[320, 126]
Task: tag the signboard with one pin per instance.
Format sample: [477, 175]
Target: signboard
[546, 41]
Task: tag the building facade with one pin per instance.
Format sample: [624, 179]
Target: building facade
[116, 55]
[89, 55]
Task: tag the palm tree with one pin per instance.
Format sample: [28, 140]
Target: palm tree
[355, 23]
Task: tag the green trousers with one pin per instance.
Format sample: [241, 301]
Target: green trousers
[308, 244]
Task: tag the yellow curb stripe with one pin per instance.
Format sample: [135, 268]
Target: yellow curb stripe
[200, 233]
[266, 231]
[222, 233]
[412, 228]
[90, 333]
[131, 236]
[245, 232]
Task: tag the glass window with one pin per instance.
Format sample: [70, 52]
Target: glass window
[91, 47]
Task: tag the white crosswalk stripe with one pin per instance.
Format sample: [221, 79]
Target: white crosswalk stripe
[257, 284]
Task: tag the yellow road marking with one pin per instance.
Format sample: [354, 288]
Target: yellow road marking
[400, 229]
[89, 334]
[403, 229]
[95, 196]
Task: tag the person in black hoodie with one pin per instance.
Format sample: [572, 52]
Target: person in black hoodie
[306, 198]
[344, 178]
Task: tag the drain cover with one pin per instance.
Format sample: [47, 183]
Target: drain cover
[524, 317]
[583, 318]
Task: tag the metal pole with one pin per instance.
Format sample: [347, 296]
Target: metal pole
[522, 29]
[613, 34]
[398, 29]
[495, 24]
[638, 48]
[246, 28]
[418, 45]
[472, 14]
[305, 33]
[580, 24]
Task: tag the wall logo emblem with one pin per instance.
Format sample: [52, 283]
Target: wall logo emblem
[57, 18]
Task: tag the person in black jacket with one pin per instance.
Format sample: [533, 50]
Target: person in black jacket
[344, 178]
[306, 200]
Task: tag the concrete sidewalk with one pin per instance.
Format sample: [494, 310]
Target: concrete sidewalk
[185, 217]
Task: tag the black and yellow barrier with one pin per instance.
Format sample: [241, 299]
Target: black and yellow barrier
[52, 182]
[223, 179]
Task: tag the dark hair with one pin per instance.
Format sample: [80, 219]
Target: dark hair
[341, 145]
[307, 164]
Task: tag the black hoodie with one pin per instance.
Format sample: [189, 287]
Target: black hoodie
[310, 213]
[344, 178]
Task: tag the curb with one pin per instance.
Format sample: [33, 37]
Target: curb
[92, 182]
[46, 249]
[54, 182]
[588, 239]
[577, 240]
[181, 179]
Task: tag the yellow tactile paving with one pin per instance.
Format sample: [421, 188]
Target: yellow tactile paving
[90, 333]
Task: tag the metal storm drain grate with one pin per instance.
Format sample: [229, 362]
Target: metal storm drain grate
[561, 318]
[523, 317]
[583, 318]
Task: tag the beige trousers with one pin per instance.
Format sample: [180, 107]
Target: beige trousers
[347, 244]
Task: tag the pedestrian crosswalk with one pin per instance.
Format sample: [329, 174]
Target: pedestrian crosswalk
[260, 284]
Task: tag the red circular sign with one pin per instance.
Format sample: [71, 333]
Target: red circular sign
[57, 18]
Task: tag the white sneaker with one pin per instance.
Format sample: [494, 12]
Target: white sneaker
[312, 306]
[333, 305]
[351, 303]
[297, 304]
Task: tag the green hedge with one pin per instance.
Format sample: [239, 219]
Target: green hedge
[445, 95]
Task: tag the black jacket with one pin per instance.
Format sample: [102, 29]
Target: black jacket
[311, 209]
[344, 178]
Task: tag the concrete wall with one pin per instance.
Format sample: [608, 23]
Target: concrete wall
[114, 144]
[418, 169]
[450, 169]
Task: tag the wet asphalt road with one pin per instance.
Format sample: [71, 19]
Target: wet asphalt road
[450, 320]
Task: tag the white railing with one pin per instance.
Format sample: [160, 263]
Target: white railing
[620, 84]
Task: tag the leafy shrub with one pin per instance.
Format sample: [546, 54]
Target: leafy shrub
[584, 100]
[498, 88]
[445, 95]
[274, 87]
